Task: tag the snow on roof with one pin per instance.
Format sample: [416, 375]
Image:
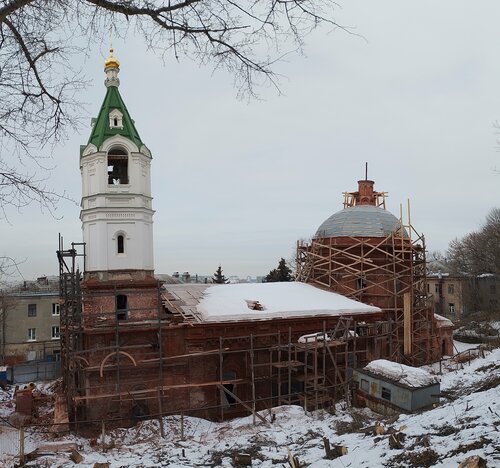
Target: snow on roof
[257, 301]
[401, 374]
[443, 321]
[437, 274]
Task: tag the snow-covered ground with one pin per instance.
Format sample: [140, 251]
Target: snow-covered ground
[466, 423]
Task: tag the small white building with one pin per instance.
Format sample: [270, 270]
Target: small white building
[389, 387]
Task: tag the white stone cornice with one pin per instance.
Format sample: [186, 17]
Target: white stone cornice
[145, 150]
[89, 149]
[118, 140]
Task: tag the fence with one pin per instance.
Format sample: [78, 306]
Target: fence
[15, 443]
[9, 440]
[457, 360]
[33, 371]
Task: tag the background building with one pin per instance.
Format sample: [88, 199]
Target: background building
[29, 322]
[457, 296]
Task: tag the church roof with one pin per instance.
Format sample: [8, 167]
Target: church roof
[360, 221]
[237, 302]
[101, 130]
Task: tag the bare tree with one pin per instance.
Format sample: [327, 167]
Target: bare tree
[5, 304]
[18, 190]
[38, 37]
[478, 252]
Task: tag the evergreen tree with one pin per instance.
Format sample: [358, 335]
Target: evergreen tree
[280, 274]
[218, 277]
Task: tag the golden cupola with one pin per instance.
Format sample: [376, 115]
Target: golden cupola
[111, 68]
[111, 61]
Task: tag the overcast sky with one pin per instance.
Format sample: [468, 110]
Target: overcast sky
[238, 182]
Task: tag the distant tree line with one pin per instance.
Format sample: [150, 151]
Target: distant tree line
[477, 252]
[473, 256]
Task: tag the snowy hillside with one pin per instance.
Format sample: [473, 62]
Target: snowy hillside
[466, 423]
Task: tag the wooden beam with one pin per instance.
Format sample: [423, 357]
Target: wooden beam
[155, 389]
[225, 390]
[407, 345]
[179, 356]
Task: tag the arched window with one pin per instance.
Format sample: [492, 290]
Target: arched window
[121, 307]
[120, 244]
[117, 166]
[115, 119]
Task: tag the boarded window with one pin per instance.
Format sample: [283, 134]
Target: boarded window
[386, 393]
[365, 386]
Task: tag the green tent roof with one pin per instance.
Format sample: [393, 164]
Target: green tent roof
[101, 130]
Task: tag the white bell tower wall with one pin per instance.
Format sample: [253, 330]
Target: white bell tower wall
[116, 206]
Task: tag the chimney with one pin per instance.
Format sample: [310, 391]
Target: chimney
[366, 195]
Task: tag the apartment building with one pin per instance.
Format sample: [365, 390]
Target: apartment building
[29, 322]
[455, 296]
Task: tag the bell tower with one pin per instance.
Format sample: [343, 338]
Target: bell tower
[116, 210]
[118, 301]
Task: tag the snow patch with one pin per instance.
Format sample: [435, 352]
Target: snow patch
[443, 321]
[410, 376]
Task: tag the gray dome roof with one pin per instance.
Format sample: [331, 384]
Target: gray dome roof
[360, 221]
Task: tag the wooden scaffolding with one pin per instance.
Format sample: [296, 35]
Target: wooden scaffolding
[389, 272]
[135, 366]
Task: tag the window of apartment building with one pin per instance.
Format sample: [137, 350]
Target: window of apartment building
[451, 308]
[57, 354]
[121, 307]
[31, 334]
[386, 393]
[55, 332]
[451, 289]
[55, 309]
[428, 287]
[436, 288]
[31, 310]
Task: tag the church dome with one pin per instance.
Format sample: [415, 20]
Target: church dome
[111, 61]
[360, 221]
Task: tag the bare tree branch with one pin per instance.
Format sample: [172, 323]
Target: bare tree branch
[38, 85]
